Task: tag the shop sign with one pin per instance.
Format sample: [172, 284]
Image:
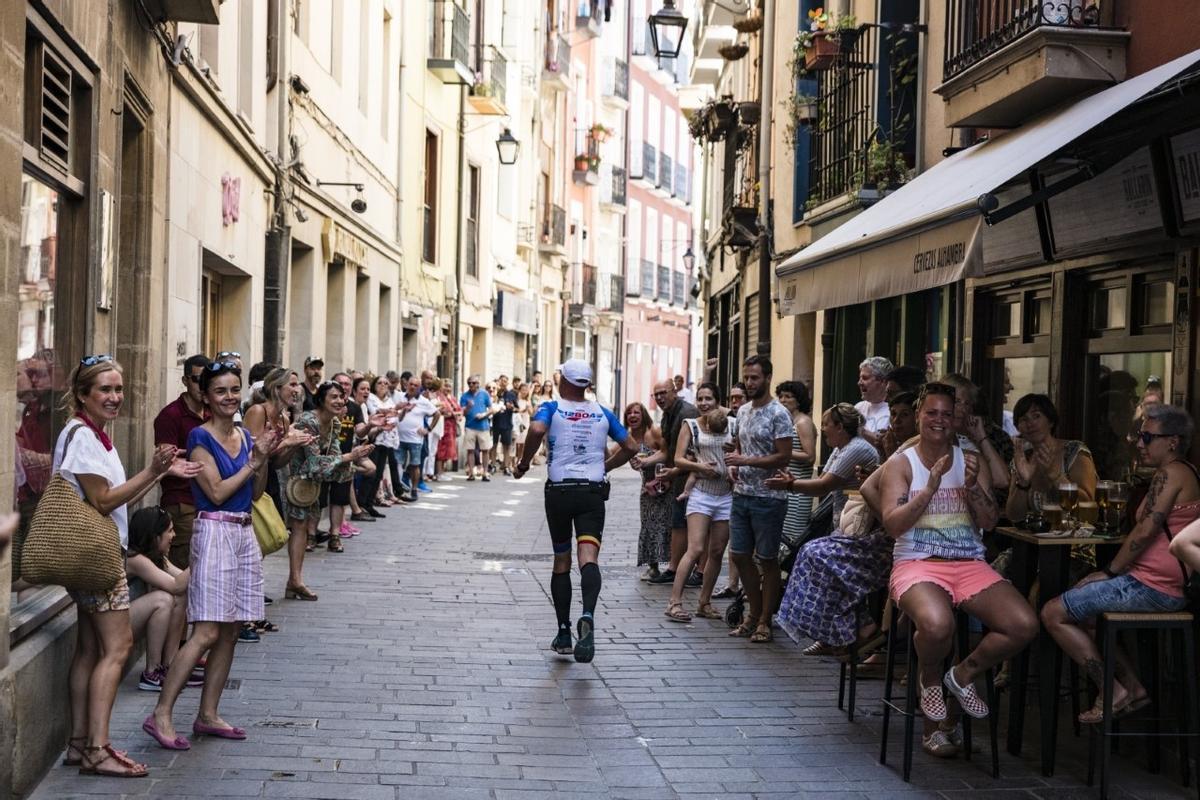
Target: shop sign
[231, 199]
[1014, 241]
[341, 245]
[1115, 204]
[1185, 157]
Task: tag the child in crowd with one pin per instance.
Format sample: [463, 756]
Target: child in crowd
[717, 422]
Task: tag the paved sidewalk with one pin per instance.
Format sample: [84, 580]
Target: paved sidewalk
[424, 672]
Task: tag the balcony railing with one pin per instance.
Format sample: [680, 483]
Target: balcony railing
[558, 55]
[842, 135]
[554, 226]
[977, 28]
[619, 181]
[587, 285]
[666, 173]
[449, 32]
[615, 302]
[649, 162]
[681, 183]
[616, 79]
[679, 287]
[648, 277]
[664, 283]
[499, 76]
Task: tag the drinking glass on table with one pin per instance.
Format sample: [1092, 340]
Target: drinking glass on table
[1102, 488]
[1068, 498]
[1118, 496]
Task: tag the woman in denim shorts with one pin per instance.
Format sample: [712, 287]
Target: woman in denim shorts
[1143, 576]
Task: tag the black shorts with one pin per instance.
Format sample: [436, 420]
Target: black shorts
[575, 508]
[335, 494]
[502, 436]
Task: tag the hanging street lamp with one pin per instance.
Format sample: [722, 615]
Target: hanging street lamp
[666, 30]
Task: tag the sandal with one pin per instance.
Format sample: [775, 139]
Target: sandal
[708, 611]
[1095, 714]
[745, 629]
[265, 626]
[762, 636]
[90, 766]
[310, 545]
[335, 544]
[76, 759]
[298, 593]
[675, 613]
[822, 649]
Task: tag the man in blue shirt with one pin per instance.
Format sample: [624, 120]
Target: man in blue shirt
[577, 432]
[477, 429]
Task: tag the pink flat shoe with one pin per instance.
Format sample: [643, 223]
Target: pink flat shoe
[200, 729]
[178, 743]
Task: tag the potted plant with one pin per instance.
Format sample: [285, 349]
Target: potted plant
[749, 24]
[741, 226]
[581, 162]
[481, 89]
[749, 112]
[723, 113]
[593, 163]
[733, 52]
[827, 37]
[600, 133]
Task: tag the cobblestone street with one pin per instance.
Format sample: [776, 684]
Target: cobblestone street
[424, 672]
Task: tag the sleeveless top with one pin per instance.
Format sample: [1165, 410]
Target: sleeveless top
[577, 431]
[709, 448]
[1155, 566]
[946, 529]
[799, 505]
[239, 502]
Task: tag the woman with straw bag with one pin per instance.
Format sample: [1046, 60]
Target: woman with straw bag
[85, 457]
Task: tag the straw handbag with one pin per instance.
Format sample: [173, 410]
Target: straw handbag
[70, 543]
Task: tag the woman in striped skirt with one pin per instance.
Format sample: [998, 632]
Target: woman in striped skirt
[793, 395]
[226, 587]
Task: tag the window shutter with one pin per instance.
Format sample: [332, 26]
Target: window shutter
[54, 134]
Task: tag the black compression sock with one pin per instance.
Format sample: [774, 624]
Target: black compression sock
[589, 581]
[560, 591]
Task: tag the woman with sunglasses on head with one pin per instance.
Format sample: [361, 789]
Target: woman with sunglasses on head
[226, 586]
[85, 456]
[936, 502]
[321, 459]
[1145, 575]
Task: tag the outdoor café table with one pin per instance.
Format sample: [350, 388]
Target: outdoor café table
[1047, 559]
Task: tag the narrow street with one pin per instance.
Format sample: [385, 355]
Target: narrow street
[424, 672]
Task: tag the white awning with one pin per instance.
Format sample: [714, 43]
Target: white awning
[927, 233]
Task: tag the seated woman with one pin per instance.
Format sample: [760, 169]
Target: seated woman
[1144, 576]
[157, 595]
[1041, 460]
[936, 501]
[829, 584]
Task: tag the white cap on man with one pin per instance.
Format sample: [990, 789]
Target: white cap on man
[578, 372]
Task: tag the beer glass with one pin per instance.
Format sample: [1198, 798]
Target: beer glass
[1118, 496]
[1068, 497]
[1102, 503]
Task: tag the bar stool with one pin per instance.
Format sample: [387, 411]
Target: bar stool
[848, 666]
[1109, 627]
[911, 710]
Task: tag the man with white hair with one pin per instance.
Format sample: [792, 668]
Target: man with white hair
[873, 383]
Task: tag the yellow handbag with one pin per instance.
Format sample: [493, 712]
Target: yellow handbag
[269, 529]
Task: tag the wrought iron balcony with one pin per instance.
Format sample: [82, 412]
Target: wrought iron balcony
[679, 285]
[449, 42]
[649, 276]
[615, 302]
[664, 283]
[842, 135]
[616, 82]
[680, 192]
[649, 163]
[666, 174]
[558, 62]
[619, 182]
[490, 94]
[588, 18]
[613, 188]
[554, 228]
[587, 285]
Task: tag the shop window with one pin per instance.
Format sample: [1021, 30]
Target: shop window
[1022, 376]
[1108, 308]
[1018, 350]
[1039, 316]
[1156, 303]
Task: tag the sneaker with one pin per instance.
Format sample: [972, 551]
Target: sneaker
[424, 487]
[322, 537]
[649, 574]
[939, 744]
[267, 600]
[152, 680]
[562, 643]
[695, 579]
[195, 679]
[247, 635]
[347, 531]
[485, 478]
[408, 498]
[585, 647]
[375, 514]
[664, 576]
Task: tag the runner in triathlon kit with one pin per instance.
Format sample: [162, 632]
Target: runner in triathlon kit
[576, 488]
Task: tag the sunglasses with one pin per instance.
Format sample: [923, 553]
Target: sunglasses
[228, 354]
[1147, 437]
[224, 366]
[91, 361]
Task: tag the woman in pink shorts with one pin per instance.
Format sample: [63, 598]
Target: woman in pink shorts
[936, 502]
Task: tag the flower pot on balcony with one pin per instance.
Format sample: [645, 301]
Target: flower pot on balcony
[581, 163]
[748, 24]
[823, 50]
[733, 52]
[749, 112]
[723, 116]
[593, 163]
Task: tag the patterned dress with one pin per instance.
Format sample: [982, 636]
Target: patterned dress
[654, 540]
[320, 460]
[833, 576]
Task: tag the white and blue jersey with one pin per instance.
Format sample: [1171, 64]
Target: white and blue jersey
[576, 438]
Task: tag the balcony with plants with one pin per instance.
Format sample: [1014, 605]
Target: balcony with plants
[489, 93]
[449, 43]
[556, 71]
[554, 229]
[589, 18]
[1007, 60]
[587, 157]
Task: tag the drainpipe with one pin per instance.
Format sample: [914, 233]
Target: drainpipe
[399, 329]
[456, 313]
[766, 82]
[279, 238]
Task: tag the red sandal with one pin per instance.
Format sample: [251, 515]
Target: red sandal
[90, 766]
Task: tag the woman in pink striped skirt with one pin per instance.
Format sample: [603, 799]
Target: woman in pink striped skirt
[226, 587]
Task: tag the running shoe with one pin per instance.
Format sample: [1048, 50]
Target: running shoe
[424, 487]
[665, 576]
[152, 680]
[267, 600]
[485, 478]
[247, 635]
[694, 579]
[562, 643]
[195, 679]
[585, 646]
